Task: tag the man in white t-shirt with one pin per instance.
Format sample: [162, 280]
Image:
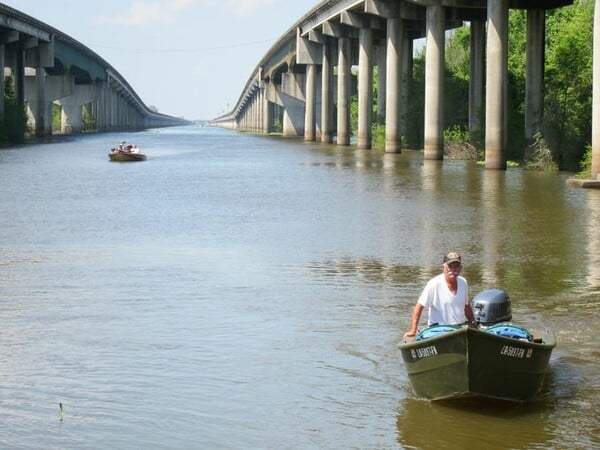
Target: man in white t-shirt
[446, 296]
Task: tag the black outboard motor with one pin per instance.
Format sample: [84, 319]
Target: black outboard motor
[491, 306]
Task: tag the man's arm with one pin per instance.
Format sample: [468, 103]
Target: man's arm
[416, 315]
[469, 315]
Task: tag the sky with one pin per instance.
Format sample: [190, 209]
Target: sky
[187, 58]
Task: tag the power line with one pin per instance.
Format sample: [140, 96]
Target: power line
[182, 50]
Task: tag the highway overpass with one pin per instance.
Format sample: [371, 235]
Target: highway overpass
[52, 74]
[304, 81]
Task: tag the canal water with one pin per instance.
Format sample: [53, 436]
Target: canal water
[246, 292]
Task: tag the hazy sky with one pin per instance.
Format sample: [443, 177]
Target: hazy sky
[188, 58]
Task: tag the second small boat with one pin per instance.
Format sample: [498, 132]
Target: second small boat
[124, 152]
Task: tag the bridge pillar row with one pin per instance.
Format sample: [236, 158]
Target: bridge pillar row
[497, 85]
[434, 82]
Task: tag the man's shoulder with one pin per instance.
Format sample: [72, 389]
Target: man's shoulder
[436, 280]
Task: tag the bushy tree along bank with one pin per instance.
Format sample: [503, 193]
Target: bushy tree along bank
[566, 132]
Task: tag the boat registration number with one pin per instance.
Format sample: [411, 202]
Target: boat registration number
[516, 352]
[424, 352]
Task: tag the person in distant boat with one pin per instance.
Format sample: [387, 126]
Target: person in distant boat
[446, 296]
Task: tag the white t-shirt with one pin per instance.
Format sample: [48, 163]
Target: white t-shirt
[445, 308]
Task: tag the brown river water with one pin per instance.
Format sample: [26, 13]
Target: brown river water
[246, 292]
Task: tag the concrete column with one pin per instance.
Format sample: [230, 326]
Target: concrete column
[381, 83]
[2, 82]
[477, 71]
[496, 85]
[393, 85]
[365, 87]
[326, 84]
[266, 112]
[42, 120]
[310, 97]
[407, 60]
[434, 83]
[596, 96]
[343, 97]
[19, 77]
[534, 79]
[261, 109]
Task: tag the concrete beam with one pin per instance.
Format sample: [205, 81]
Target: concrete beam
[333, 29]
[380, 8]
[13, 23]
[8, 37]
[357, 20]
[316, 36]
[307, 52]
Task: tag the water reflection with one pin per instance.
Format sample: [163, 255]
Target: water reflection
[593, 239]
[287, 273]
[370, 270]
[491, 226]
[471, 424]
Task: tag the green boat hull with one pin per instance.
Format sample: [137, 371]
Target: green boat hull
[471, 362]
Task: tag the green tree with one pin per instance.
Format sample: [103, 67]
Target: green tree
[14, 125]
[568, 99]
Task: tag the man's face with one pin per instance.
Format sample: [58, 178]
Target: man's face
[452, 270]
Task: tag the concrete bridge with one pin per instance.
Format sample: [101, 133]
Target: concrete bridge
[298, 79]
[49, 71]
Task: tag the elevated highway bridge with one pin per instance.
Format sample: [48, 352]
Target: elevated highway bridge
[49, 71]
[304, 81]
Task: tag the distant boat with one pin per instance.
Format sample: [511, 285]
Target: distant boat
[498, 360]
[126, 152]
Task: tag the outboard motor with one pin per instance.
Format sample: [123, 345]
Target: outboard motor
[491, 306]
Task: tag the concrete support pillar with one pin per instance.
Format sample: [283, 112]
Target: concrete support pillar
[477, 71]
[310, 99]
[596, 96]
[496, 85]
[365, 87]
[393, 85]
[407, 78]
[261, 110]
[381, 82]
[43, 113]
[326, 97]
[434, 83]
[343, 97]
[534, 79]
[19, 77]
[2, 82]
[266, 113]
